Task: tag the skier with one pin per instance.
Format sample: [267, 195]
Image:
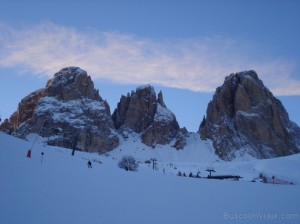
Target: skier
[89, 164]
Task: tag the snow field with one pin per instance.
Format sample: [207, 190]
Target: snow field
[63, 190]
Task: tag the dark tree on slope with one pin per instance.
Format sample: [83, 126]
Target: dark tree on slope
[128, 163]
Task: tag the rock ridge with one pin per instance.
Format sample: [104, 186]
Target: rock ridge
[148, 115]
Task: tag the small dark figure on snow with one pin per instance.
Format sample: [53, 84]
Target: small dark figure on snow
[89, 164]
[42, 157]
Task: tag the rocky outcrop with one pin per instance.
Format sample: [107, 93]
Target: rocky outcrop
[245, 118]
[68, 112]
[24, 112]
[142, 112]
[72, 83]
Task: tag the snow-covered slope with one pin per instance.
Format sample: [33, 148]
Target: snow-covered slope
[198, 155]
[61, 189]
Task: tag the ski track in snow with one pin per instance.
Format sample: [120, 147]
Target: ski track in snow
[61, 189]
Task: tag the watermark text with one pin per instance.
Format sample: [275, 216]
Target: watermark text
[261, 216]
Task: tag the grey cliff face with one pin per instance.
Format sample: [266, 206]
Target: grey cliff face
[142, 112]
[68, 112]
[245, 117]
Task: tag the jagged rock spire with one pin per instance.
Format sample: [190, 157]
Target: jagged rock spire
[160, 99]
[145, 114]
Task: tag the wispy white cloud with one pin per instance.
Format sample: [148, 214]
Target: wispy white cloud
[198, 64]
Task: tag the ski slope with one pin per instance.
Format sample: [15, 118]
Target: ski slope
[61, 189]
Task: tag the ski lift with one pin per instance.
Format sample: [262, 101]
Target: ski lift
[154, 162]
[30, 149]
[210, 169]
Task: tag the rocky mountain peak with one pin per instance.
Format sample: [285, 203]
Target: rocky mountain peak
[160, 99]
[147, 115]
[137, 110]
[236, 77]
[72, 83]
[68, 112]
[245, 118]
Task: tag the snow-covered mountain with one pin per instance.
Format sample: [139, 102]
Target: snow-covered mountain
[56, 187]
[148, 115]
[68, 111]
[244, 119]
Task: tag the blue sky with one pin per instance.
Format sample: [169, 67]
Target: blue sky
[184, 48]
